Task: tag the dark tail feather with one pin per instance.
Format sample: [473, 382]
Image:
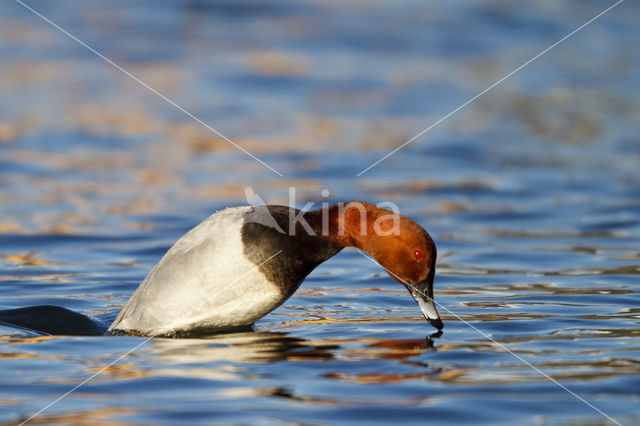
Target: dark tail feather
[53, 320]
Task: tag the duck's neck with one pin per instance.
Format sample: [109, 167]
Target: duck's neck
[345, 224]
[325, 223]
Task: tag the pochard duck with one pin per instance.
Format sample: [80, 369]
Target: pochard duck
[241, 263]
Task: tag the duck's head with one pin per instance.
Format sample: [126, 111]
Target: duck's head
[401, 246]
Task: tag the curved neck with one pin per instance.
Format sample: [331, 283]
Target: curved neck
[328, 222]
[347, 224]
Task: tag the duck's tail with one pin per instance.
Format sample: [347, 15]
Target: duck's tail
[53, 320]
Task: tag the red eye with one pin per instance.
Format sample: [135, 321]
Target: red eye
[418, 254]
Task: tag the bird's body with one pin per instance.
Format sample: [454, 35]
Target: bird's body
[198, 283]
[225, 273]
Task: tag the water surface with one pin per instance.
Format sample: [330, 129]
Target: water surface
[532, 194]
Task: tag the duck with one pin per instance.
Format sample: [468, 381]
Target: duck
[241, 263]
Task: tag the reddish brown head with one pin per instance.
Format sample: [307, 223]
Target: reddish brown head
[399, 245]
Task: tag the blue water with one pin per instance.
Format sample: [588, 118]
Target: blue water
[531, 192]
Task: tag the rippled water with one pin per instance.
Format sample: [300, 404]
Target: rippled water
[532, 194]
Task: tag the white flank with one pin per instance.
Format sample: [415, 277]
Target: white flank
[196, 284]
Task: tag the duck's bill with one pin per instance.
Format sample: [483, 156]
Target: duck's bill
[422, 292]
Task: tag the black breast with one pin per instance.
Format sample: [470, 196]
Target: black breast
[266, 232]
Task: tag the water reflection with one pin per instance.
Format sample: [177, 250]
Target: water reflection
[277, 392]
[244, 347]
[210, 357]
[268, 347]
[100, 416]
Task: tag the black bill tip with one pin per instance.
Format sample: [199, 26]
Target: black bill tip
[437, 323]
